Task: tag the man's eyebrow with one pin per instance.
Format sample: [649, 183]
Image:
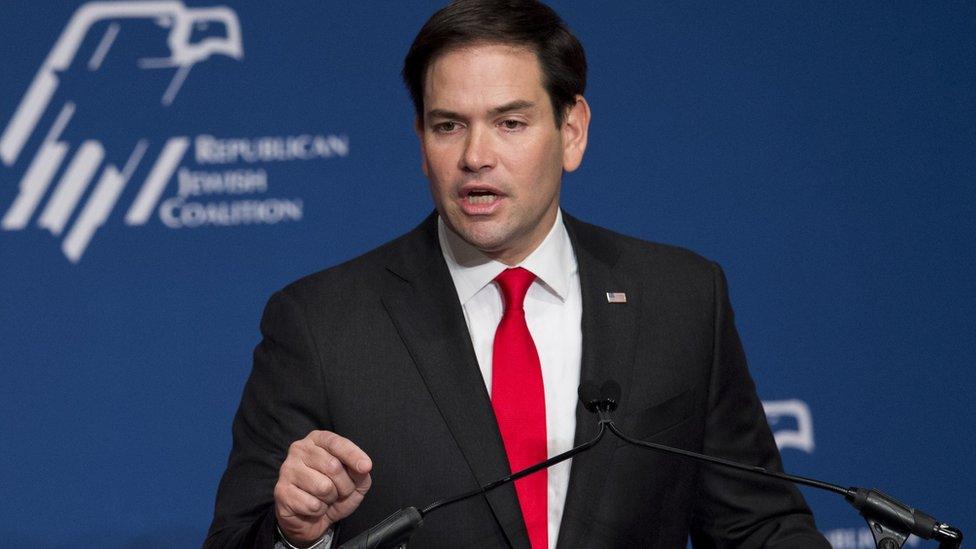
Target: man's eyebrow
[519, 104]
[441, 113]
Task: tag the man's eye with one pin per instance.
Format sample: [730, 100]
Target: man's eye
[512, 124]
[445, 127]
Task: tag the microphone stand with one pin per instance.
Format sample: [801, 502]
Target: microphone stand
[890, 521]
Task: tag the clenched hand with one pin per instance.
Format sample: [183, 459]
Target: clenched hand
[322, 481]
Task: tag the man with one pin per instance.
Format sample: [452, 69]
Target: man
[450, 357]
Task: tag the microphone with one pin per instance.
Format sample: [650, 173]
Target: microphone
[604, 397]
[882, 510]
[394, 531]
[890, 521]
[600, 401]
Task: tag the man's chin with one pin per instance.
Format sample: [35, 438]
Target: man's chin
[487, 246]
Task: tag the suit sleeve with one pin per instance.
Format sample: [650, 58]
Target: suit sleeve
[282, 402]
[735, 509]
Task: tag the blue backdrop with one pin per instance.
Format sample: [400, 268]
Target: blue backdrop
[167, 165]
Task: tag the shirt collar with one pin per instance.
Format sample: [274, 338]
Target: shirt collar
[553, 262]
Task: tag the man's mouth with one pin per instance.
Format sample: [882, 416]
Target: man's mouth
[481, 197]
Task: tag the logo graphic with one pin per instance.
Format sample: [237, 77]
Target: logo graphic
[88, 157]
[791, 423]
[50, 143]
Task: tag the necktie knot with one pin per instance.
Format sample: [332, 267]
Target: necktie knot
[514, 284]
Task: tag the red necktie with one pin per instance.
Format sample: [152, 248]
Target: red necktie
[519, 401]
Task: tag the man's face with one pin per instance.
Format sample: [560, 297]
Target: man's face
[491, 149]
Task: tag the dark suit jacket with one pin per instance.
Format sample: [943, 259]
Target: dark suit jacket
[377, 350]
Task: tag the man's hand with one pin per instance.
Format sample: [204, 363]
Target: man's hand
[322, 481]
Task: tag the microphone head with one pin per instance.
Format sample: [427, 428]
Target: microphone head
[604, 398]
[610, 392]
[589, 395]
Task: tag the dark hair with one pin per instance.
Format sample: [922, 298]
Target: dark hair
[518, 22]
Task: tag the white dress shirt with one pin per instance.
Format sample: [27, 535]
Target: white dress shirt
[553, 310]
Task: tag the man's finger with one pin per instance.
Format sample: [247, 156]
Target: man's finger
[301, 503]
[323, 464]
[362, 481]
[318, 483]
[344, 449]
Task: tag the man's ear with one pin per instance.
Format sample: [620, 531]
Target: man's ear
[576, 125]
[418, 128]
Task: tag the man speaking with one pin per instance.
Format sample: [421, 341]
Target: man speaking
[451, 356]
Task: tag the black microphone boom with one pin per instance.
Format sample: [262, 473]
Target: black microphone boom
[395, 530]
[890, 521]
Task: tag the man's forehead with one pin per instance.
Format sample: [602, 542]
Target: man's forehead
[488, 76]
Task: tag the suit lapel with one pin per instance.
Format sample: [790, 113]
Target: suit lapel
[421, 300]
[609, 338]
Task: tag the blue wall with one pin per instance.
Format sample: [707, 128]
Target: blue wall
[823, 153]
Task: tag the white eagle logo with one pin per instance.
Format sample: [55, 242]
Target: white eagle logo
[89, 156]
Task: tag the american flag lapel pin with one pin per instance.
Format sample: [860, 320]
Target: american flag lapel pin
[616, 297]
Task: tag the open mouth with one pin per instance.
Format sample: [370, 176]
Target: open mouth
[481, 197]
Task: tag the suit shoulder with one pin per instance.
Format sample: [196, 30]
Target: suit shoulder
[644, 252]
[356, 276]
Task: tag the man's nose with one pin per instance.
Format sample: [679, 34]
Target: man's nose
[479, 151]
